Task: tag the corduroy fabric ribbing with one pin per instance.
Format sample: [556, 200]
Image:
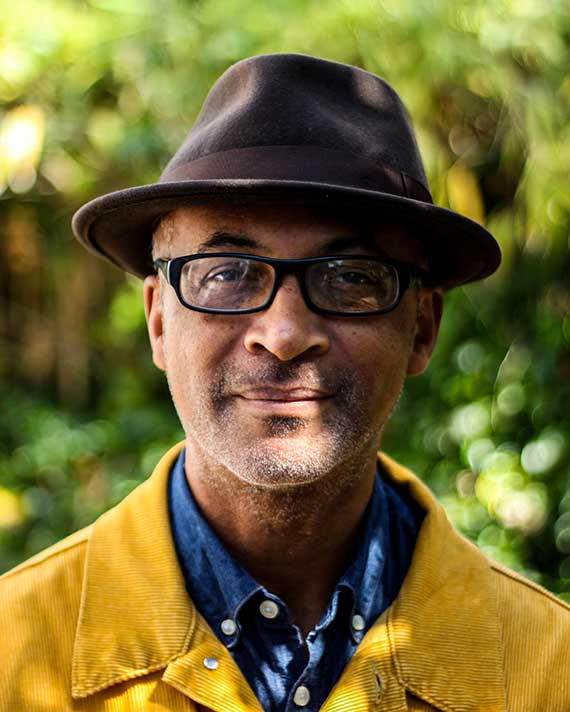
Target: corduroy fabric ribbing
[102, 622]
[544, 684]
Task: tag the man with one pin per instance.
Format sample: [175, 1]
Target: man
[294, 267]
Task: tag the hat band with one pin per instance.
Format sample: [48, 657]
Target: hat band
[311, 164]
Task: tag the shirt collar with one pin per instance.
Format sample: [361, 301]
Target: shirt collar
[216, 582]
[363, 577]
[220, 586]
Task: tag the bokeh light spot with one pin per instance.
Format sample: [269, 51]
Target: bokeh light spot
[541, 455]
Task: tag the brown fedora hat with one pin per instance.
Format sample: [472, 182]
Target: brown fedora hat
[294, 128]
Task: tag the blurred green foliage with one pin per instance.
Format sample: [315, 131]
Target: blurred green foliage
[95, 95]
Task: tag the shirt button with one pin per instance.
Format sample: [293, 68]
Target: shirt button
[301, 696]
[269, 609]
[211, 663]
[228, 626]
[358, 622]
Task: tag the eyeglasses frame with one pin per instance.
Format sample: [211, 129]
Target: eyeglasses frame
[408, 276]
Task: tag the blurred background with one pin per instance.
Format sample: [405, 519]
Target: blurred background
[95, 95]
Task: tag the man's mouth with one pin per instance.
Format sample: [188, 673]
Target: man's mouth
[284, 401]
[289, 395]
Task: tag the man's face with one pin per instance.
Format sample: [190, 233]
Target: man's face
[285, 396]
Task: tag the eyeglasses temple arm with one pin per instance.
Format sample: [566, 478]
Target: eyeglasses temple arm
[164, 267]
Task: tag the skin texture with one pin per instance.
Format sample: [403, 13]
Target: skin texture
[283, 410]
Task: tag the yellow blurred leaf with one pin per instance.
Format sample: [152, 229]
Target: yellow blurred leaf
[464, 194]
[21, 141]
[12, 510]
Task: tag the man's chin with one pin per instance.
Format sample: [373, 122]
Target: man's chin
[286, 458]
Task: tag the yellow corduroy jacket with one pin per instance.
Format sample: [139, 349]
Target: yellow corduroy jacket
[102, 621]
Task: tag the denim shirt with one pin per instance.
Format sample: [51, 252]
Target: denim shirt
[286, 672]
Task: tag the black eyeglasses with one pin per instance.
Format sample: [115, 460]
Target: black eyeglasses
[232, 283]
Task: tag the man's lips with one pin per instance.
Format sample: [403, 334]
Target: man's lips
[280, 395]
[296, 401]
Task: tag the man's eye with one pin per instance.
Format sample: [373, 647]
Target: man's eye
[355, 277]
[351, 277]
[227, 273]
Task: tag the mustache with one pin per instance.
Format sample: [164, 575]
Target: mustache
[288, 374]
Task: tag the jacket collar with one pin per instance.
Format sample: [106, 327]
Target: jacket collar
[133, 592]
[444, 628]
[136, 616]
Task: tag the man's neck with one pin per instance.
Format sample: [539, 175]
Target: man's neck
[297, 542]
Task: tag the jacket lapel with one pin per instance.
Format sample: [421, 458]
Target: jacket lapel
[444, 627]
[135, 614]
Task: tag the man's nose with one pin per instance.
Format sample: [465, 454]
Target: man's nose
[288, 328]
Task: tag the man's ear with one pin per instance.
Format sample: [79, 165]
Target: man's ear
[430, 309]
[154, 319]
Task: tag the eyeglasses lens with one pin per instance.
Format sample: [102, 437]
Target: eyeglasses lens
[226, 283]
[352, 285]
[342, 285]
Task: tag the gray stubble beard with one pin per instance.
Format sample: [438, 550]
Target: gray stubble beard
[336, 458]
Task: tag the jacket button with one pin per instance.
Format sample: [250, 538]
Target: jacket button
[211, 663]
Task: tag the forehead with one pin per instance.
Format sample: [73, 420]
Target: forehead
[283, 230]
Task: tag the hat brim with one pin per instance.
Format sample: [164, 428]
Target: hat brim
[118, 226]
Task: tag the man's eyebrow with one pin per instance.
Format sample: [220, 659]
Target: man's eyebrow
[339, 244]
[223, 238]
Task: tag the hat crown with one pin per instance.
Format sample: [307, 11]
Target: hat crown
[302, 101]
